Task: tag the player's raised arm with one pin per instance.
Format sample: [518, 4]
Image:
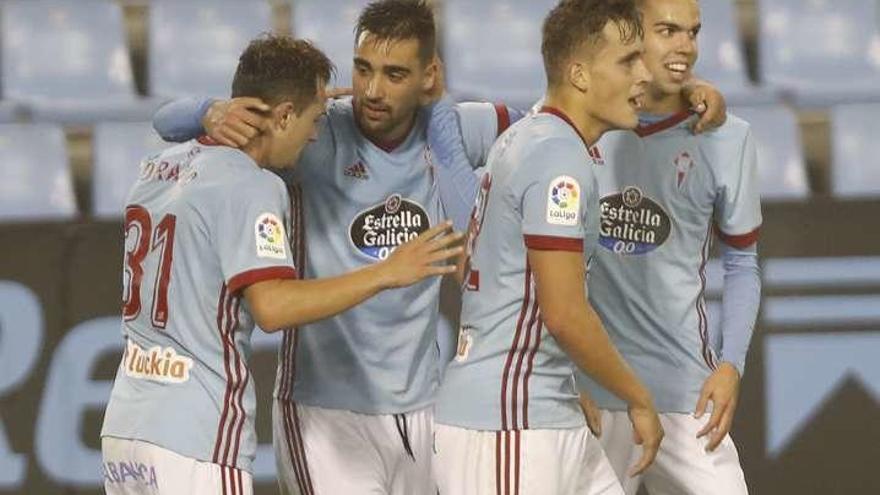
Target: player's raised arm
[568, 316]
[278, 304]
[707, 102]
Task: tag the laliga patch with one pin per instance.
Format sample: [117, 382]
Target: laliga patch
[270, 238]
[563, 201]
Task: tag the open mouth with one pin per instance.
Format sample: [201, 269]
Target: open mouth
[678, 68]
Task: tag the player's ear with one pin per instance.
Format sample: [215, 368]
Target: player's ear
[431, 72]
[284, 114]
[579, 76]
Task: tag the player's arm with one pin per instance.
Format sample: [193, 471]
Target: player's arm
[460, 137]
[738, 219]
[284, 303]
[708, 102]
[568, 316]
[229, 122]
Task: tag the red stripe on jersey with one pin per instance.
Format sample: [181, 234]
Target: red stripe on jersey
[497, 463]
[672, 121]
[236, 367]
[503, 118]
[516, 462]
[523, 350]
[701, 313]
[506, 463]
[551, 243]
[241, 390]
[534, 351]
[221, 327]
[739, 241]
[290, 437]
[514, 345]
[250, 277]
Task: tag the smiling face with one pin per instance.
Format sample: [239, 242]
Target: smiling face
[671, 28]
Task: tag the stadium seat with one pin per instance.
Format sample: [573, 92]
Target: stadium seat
[68, 62]
[855, 163]
[118, 149]
[36, 183]
[495, 50]
[195, 44]
[721, 58]
[781, 164]
[822, 52]
[330, 25]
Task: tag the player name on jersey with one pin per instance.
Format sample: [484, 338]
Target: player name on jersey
[379, 229]
[632, 223]
[157, 364]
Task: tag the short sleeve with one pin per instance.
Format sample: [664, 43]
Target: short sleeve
[555, 194]
[251, 232]
[738, 201]
[481, 123]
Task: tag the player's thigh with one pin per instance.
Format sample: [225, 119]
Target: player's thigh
[133, 468]
[467, 461]
[683, 466]
[406, 445]
[328, 451]
[620, 449]
[567, 462]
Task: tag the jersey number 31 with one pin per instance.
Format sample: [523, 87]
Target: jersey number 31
[140, 240]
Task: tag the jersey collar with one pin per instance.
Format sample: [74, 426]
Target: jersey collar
[559, 113]
[661, 125]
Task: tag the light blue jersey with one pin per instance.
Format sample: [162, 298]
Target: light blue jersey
[664, 192]
[539, 192]
[201, 223]
[359, 201]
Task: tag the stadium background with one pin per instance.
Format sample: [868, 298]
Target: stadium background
[80, 79]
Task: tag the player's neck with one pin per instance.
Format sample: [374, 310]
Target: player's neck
[392, 138]
[658, 102]
[590, 129]
[258, 150]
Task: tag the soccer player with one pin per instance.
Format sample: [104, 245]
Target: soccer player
[664, 193]
[507, 413]
[353, 409]
[206, 257]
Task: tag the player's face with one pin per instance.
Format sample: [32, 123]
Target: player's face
[671, 28]
[388, 81]
[618, 79]
[297, 132]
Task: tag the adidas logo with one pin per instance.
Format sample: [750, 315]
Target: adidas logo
[358, 171]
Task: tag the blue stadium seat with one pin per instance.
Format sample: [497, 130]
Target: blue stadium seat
[118, 149]
[781, 164]
[330, 25]
[721, 58]
[36, 183]
[195, 44]
[495, 50]
[821, 51]
[68, 61]
[855, 145]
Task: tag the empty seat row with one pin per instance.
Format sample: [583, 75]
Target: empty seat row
[69, 61]
[37, 182]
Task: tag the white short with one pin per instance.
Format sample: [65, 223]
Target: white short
[334, 451]
[133, 467]
[682, 466]
[526, 462]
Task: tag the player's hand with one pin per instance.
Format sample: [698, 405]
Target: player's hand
[418, 259]
[722, 388]
[435, 92]
[647, 432]
[708, 103]
[591, 413]
[235, 122]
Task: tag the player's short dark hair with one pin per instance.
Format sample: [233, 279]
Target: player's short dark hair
[572, 23]
[398, 20]
[277, 68]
